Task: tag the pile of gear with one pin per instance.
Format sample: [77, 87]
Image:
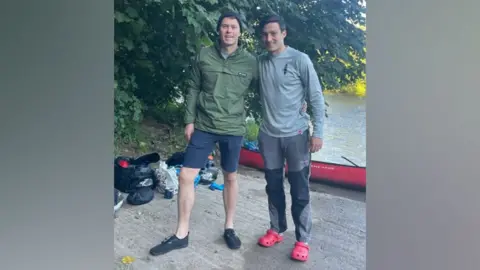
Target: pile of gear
[139, 180]
[251, 145]
[168, 173]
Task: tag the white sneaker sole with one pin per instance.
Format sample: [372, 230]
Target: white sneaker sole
[119, 204]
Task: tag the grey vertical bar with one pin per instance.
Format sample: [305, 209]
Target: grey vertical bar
[422, 135]
[56, 135]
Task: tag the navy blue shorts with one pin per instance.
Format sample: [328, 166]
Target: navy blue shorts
[203, 143]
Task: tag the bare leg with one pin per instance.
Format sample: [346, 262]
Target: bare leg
[199, 146]
[230, 196]
[230, 147]
[186, 199]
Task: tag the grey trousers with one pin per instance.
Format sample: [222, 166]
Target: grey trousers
[295, 150]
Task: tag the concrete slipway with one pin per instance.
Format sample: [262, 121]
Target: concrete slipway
[339, 232]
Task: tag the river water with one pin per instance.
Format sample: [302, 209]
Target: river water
[344, 131]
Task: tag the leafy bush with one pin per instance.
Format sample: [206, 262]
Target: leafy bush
[127, 115]
[357, 88]
[155, 42]
[252, 130]
[171, 113]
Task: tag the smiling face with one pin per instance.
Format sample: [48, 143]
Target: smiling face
[273, 37]
[229, 31]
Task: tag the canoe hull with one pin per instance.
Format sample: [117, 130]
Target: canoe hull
[326, 172]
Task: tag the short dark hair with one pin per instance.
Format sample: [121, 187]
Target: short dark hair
[229, 14]
[273, 19]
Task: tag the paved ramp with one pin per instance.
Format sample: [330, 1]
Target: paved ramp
[339, 233]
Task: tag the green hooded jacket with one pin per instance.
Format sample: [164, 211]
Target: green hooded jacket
[217, 87]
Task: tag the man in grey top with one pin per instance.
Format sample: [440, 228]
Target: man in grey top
[287, 80]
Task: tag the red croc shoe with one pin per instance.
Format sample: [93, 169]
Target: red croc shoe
[300, 252]
[270, 239]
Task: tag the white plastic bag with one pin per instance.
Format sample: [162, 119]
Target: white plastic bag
[168, 178]
[172, 180]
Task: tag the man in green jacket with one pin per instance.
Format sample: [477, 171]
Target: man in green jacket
[220, 77]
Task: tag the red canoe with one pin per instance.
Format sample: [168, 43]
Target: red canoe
[320, 171]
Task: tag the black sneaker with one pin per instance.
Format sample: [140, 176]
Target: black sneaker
[169, 244]
[232, 240]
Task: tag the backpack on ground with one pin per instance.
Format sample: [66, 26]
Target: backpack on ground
[135, 177]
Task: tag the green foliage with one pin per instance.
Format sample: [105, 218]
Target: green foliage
[156, 40]
[170, 113]
[356, 88]
[128, 111]
[252, 130]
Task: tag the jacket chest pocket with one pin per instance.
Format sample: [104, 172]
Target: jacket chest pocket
[242, 79]
[210, 76]
[237, 85]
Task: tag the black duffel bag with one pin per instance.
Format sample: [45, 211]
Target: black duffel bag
[135, 177]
